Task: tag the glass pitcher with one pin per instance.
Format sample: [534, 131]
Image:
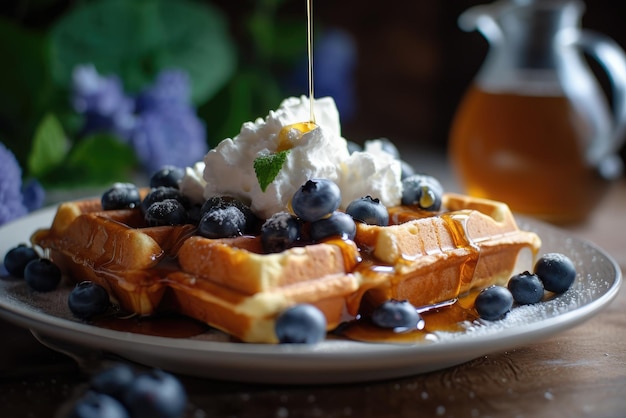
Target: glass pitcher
[535, 129]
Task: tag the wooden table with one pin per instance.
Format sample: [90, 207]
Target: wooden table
[577, 373]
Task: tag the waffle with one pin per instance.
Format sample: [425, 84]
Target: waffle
[233, 286]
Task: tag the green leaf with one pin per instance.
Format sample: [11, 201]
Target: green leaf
[50, 147]
[267, 167]
[137, 39]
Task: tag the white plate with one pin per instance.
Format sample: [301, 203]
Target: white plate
[333, 361]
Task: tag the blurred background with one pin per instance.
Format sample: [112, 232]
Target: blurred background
[397, 69]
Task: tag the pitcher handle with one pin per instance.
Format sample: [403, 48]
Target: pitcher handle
[612, 58]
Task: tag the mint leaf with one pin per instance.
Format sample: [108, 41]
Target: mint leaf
[267, 167]
[49, 148]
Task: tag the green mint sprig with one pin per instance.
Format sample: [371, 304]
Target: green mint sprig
[268, 166]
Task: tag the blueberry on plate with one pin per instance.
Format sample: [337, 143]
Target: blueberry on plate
[121, 196]
[16, 259]
[113, 381]
[159, 194]
[156, 394]
[167, 176]
[316, 199]
[301, 324]
[279, 232]
[98, 405]
[493, 303]
[526, 288]
[42, 275]
[396, 314]
[166, 212]
[339, 224]
[556, 271]
[88, 299]
[369, 211]
[422, 190]
[222, 223]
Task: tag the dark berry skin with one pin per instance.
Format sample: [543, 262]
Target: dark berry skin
[42, 275]
[168, 176]
[16, 259]
[98, 405]
[156, 394]
[166, 212]
[316, 199]
[556, 271]
[114, 381]
[493, 303]
[121, 196]
[301, 324]
[252, 222]
[88, 299]
[526, 288]
[339, 224]
[369, 211]
[396, 314]
[422, 190]
[160, 194]
[279, 232]
[222, 223]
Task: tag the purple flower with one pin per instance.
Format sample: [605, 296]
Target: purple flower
[171, 88]
[102, 102]
[11, 204]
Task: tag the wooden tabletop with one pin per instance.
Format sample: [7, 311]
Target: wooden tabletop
[577, 373]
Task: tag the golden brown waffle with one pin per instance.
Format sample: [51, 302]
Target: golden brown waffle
[232, 285]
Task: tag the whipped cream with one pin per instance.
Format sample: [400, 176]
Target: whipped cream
[319, 153]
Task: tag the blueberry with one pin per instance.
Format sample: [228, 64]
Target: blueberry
[167, 176]
[301, 324]
[493, 303]
[16, 259]
[222, 223]
[88, 299]
[159, 194]
[121, 196]
[368, 210]
[556, 271]
[166, 212]
[114, 381]
[526, 288]
[279, 232]
[316, 199]
[396, 314]
[98, 405]
[42, 275]
[406, 170]
[251, 220]
[422, 190]
[339, 224]
[156, 394]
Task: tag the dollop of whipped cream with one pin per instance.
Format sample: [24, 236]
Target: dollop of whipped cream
[318, 153]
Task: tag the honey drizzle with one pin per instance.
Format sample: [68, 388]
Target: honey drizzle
[309, 40]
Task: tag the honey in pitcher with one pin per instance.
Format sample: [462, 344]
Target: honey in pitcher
[528, 151]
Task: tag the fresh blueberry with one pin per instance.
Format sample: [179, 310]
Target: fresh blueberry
[113, 381]
[98, 405]
[279, 232]
[422, 190]
[526, 288]
[16, 259]
[160, 194]
[252, 221]
[339, 224]
[396, 314]
[88, 299]
[493, 303]
[316, 199]
[121, 196]
[407, 170]
[301, 324]
[222, 223]
[42, 275]
[156, 394]
[166, 212]
[556, 271]
[369, 211]
[167, 176]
